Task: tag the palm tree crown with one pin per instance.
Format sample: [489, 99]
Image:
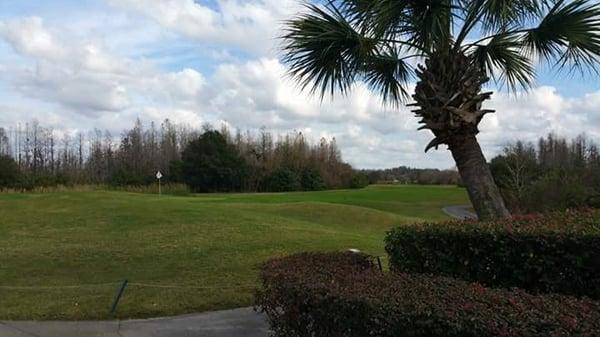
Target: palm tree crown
[452, 48]
[330, 47]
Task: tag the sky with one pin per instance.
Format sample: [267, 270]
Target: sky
[75, 65]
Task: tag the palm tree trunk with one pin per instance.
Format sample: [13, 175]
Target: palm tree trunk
[477, 177]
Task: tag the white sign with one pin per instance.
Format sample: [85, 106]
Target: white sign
[158, 175]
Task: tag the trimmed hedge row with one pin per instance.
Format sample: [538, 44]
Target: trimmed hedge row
[342, 294]
[558, 252]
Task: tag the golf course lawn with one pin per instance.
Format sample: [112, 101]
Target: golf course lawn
[63, 255]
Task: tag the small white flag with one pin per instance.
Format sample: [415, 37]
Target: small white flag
[158, 175]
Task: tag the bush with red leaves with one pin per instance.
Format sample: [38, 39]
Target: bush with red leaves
[556, 252]
[344, 295]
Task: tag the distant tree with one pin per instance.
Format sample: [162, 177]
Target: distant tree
[311, 180]
[10, 175]
[169, 147]
[556, 175]
[4, 142]
[515, 171]
[175, 172]
[360, 180]
[408, 175]
[134, 158]
[283, 180]
[210, 164]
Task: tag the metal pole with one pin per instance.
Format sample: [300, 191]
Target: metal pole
[159, 188]
[113, 309]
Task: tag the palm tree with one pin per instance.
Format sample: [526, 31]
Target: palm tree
[452, 48]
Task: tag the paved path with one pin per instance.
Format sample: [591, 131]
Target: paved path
[460, 212]
[242, 322]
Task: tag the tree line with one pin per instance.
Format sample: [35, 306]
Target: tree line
[554, 173]
[32, 155]
[408, 175]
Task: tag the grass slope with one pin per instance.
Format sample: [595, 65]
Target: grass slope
[210, 244]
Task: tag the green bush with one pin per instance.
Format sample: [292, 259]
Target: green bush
[125, 177]
[344, 295]
[556, 190]
[10, 175]
[283, 180]
[311, 180]
[359, 180]
[557, 252]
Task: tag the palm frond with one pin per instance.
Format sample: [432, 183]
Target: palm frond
[329, 47]
[429, 23]
[496, 16]
[569, 36]
[504, 62]
[421, 23]
[323, 50]
[389, 17]
[502, 15]
[388, 74]
[355, 10]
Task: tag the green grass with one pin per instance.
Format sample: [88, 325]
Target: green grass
[211, 244]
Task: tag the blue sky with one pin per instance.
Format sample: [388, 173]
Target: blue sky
[75, 65]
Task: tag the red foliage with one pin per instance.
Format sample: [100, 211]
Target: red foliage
[345, 295]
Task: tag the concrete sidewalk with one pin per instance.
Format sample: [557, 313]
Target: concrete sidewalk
[242, 322]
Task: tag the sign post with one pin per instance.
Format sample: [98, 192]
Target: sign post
[159, 176]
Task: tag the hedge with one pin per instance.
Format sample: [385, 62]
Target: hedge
[557, 252]
[344, 295]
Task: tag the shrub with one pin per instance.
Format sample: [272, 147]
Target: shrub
[359, 180]
[175, 171]
[283, 180]
[10, 175]
[557, 252]
[311, 180]
[323, 295]
[556, 190]
[124, 177]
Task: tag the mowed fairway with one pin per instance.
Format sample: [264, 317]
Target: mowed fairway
[62, 255]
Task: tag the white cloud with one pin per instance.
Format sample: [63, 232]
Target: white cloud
[83, 78]
[86, 78]
[184, 16]
[81, 91]
[528, 116]
[247, 24]
[28, 36]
